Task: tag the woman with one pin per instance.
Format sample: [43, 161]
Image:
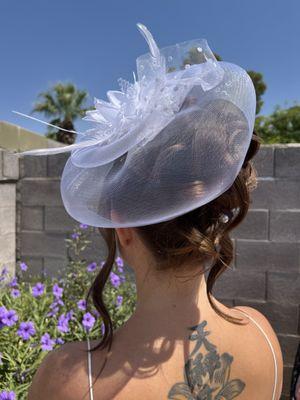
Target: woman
[166, 175]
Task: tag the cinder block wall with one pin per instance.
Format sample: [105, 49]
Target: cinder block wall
[265, 273]
[9, 174]
[43, 223]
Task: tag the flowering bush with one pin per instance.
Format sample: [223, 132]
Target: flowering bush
[40, 315]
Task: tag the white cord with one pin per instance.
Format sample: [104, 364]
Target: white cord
[275, 384]
[90, 370]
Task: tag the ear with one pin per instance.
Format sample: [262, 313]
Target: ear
[124, 235]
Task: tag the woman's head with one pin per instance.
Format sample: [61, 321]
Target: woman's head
[199, 235]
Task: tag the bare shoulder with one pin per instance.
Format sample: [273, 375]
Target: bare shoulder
[62, 374]
[262, 320]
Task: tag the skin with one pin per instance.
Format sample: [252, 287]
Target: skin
[173, 321]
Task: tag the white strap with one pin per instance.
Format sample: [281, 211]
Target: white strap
[273, 352]
[90, 369]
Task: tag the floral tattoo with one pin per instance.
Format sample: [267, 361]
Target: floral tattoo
[206, 376]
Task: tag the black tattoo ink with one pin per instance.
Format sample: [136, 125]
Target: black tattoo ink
[206, 376]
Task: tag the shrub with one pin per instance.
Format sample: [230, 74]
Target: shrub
[39, 316]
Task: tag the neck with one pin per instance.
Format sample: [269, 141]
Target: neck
[170, 298]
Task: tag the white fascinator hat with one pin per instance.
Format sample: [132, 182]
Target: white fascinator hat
[171, 141]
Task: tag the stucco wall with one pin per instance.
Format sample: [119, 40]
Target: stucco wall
[9, 174]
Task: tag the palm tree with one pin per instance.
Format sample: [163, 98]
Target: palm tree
[64, 103]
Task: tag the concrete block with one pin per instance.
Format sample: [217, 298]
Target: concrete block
[256, 255]
[284, 287]
[8, 248]
[32, 218]
[57, 219]
[276, 194]
[254, 226]
[227, 302]
[287, 161]
[287, 380]
[54, 267]
[40, 192]
[249, 285]
[33, 166]
[289, 345]
[10, 165]
[283, 318]
[56, 164]
[285, 225]
[42, 244]
[7, 220]
[263, 161]
[7, 194]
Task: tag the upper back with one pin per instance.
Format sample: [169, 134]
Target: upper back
[218, 360]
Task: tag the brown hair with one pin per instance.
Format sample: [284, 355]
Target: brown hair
[198, 234]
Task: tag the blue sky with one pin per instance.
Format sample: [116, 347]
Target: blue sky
[93, 42]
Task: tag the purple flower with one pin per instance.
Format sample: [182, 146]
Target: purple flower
[59, 341]
[91, 267]
[4, 272]
[75, 235]
[119, 300]
[120, 261]
[115, 279]
[53, 312]
[15, 293]
[70, 314]
[46, 342]
[5, 395]
[102, 328]
[10, 318]
[13, 282]
[120, 264]
[63, 324]
[81, 304]
[57, 302]
[88, 321]
[26, 330]
[38, 289]
[23, 266]
[3, 312]
[83, 226]
[57, 291]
